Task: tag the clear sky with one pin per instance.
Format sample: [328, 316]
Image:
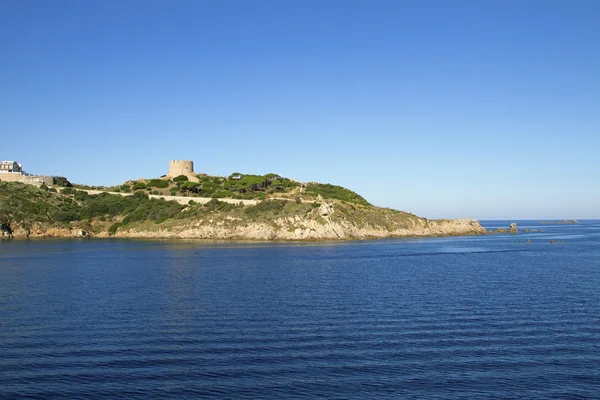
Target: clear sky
[488, 109]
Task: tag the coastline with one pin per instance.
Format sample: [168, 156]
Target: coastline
[277, 231]
[46, 213]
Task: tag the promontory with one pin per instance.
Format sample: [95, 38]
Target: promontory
[183, 204]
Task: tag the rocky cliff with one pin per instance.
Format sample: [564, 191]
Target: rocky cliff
[307, 230]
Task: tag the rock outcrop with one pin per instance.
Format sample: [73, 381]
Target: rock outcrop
[284, 229]
[308, 229]
[78, 214]
[512, 228]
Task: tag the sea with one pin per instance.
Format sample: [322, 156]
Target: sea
[496, 316]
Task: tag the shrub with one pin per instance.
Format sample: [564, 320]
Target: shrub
[139, 185]
[140, 195]
[114, 227]
[154, 210]
[80, 195]
[189, 187]
[211, 203]
[180, 178]
[66, 211]
[267, 206]
[61, 181]
[158, 183]
[222, 193]
[28, 204]
[68, 191]
[328, 191]
[216, 205]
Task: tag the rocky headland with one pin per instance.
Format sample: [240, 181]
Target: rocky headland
[310, 230]
[289, 211]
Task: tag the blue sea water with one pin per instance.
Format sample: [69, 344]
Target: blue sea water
[437, 318]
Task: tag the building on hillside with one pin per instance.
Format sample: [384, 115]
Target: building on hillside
[12, 171]
[180, 167]
[10, 166]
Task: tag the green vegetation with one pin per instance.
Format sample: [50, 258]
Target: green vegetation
[25, 204]
[67, 190]
[243, 186]
[113, 228]
[273, 207]
[180, 178]
[158, 183]
[328, 191]
[62, 181]
[216, 205]
[236, 186]
[283, 203]
[187, 187]
[39, 208]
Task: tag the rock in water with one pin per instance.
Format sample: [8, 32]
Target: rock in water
[513, 228]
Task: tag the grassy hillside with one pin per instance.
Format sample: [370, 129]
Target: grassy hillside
[328, 191]
[237, 186]
[40, 208]
[25, 206]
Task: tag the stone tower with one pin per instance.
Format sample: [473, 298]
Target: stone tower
[180, 167]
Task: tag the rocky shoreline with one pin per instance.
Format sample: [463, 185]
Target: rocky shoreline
[30, 212]
[278, 230]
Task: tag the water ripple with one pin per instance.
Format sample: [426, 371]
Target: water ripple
[480, 319]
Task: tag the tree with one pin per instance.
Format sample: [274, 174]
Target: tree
[62, 181]
[187, 187]
[180, 178]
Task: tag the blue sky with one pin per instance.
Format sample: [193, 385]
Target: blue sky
[488, 109]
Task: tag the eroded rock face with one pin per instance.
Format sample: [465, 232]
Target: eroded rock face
[326, 222]
[80, 233]
[326, 209]
[309, 229]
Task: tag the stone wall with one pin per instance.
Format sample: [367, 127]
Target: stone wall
[29, 179]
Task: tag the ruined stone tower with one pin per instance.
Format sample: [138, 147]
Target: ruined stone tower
[180, 167]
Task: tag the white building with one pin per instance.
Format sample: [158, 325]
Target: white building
[10, 166]
[12, 171]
